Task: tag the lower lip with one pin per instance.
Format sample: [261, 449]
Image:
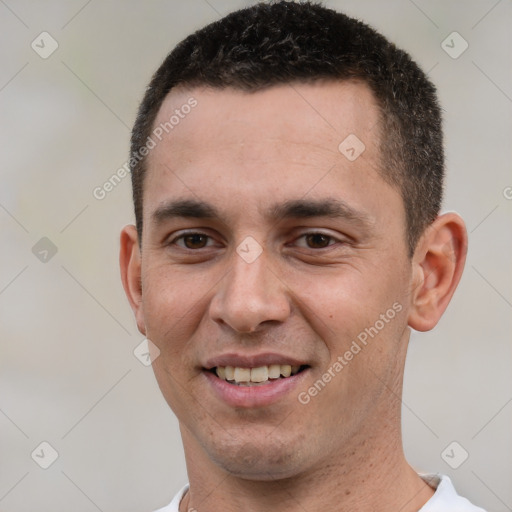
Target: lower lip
[254, 396]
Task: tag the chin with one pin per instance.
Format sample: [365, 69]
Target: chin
[261, 460]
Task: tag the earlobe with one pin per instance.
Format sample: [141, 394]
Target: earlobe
[438, 263]
[130, 264]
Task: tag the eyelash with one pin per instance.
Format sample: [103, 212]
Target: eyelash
[302, 236]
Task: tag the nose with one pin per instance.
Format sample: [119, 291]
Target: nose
[250, 295]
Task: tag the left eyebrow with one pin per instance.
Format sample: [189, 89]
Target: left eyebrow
[329, 207]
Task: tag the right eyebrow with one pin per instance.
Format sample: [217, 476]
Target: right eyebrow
[187, 208]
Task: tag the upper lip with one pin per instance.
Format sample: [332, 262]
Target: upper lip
[251, 361]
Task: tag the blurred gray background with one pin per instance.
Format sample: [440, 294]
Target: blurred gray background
[68, 373]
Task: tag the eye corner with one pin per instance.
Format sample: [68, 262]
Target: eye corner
[211, 241]
[308, 236]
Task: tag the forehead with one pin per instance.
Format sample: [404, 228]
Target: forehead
[275, 144]
[304, 112]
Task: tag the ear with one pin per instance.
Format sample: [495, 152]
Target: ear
[130, 263]
[438, 263]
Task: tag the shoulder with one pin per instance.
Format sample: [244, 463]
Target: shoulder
[174, 506]
[446, 499]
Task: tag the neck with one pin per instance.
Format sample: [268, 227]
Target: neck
[366, 472]
[370, 476]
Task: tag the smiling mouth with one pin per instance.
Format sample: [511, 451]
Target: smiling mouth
[261, 375]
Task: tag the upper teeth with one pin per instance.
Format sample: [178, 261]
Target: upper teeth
[260, 374]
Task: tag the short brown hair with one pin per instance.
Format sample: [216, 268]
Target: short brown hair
[284, 42]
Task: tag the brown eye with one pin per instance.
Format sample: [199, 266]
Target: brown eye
[195, 241]
[318, 240]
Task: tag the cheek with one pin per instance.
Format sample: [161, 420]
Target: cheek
[172, 309]
[338, 302]
[353, 304]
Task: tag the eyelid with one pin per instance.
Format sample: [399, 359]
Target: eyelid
[336, 238]
[180, 235]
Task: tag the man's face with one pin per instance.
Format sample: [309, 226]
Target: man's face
[265, 246]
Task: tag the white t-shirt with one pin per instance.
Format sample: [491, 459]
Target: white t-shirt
[445, 499]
